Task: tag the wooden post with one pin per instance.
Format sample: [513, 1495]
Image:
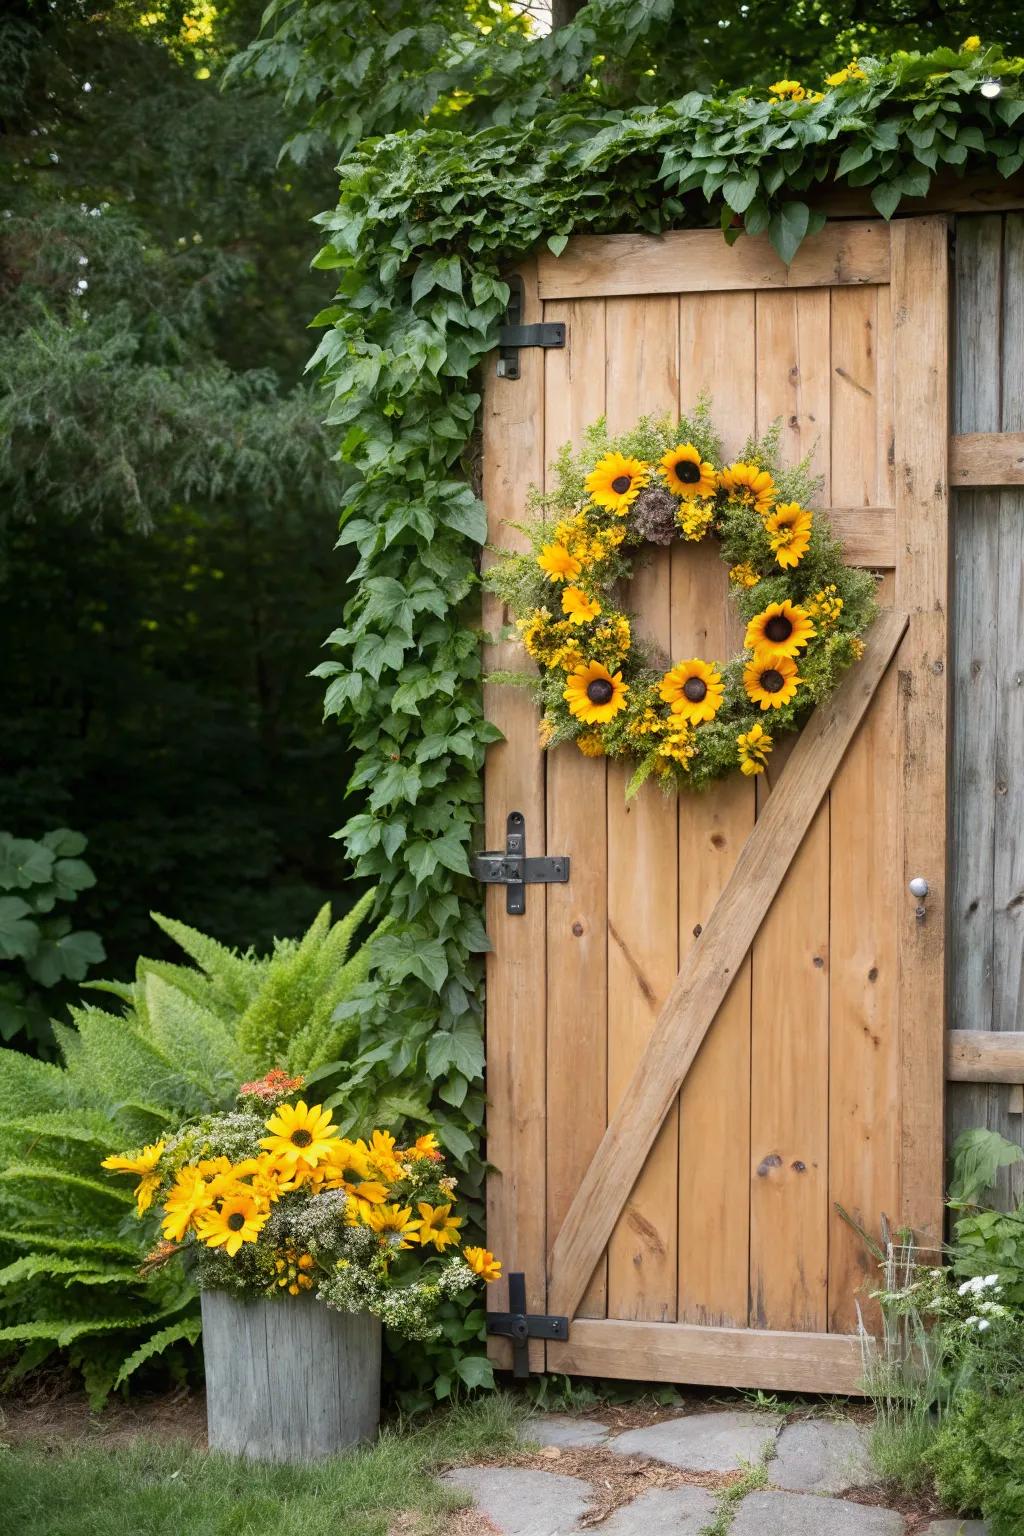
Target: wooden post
[288, 1379]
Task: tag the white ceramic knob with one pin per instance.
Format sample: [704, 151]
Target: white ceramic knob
[919, 887]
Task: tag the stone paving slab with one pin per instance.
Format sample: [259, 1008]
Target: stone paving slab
[521, 1502]
[565, 1431]
[957, 1528]
[822, 1456]
[803, 1514]
[662, 1512]
[702, 1442]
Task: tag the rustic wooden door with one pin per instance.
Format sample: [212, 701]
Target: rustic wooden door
[729, 1022]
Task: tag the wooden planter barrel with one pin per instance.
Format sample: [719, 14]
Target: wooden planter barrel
[288, 1379]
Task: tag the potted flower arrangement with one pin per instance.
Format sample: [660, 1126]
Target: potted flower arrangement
[303, 1242]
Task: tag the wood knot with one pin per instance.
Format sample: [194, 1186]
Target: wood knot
[765, 1166]
[798, 1166]
[697, 930]
[577, 929]
[873, 973]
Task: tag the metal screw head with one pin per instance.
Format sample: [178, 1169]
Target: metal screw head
[919, 887]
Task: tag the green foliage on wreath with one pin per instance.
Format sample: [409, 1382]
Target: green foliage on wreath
[572, 623]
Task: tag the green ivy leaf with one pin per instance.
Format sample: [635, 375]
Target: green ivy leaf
[787, 229]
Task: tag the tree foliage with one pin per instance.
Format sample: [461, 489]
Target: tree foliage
[167, 492]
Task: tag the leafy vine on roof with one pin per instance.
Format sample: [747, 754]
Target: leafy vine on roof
[426, 224]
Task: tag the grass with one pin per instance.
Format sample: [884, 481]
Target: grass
[755, 1475]
[164, 1490]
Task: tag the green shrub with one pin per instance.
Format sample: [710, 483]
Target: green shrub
[182, 1042]
[978, 1460]
[40, 952]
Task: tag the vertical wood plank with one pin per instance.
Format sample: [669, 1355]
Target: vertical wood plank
[714, 1104]
[790, 957]
[513, 457]
[976, 408]
[1008, 870]
[642, 378]
[863, 1045]
[576, 806]
[920, 313]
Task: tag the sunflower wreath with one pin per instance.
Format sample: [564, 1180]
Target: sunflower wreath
[692, 720]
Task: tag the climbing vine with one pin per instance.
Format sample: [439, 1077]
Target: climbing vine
[426, 224]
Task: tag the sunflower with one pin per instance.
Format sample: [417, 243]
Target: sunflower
[237, 1220]
[579, 607]
[594, 694]
[393, 1224]
[686, 473]
[781, 629]
[694, 689]
[750, 485]
[437, 1225]
[301, 1136]
[187, 1199]
[771, 681]
[789, 532]
[615, 482]
[558, 564]
[483, 1263]
[754, 746]
[590, 744]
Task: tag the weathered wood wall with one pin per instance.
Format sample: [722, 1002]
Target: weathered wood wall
[987, 888]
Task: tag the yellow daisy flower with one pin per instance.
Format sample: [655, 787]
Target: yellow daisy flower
[394, 1225]
[590, 744]
[140, 1163]
[615, 482]
[594, 694]
[694, 689]
[347, 1167]
[971, 44]
[237, 1220]
[579, 607]
[558, 564]
[781, 629]
[771, 681]
[852, 71]
[754, 746]
[300, 1135]
[686, 473]
[425, 1146]
[189, 1196]
[743, 575]
[745, 482]
[483, 1263]
[789, 532]
[437, 1225]
[788, 90]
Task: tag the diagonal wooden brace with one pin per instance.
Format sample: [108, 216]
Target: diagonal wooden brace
[700, 988]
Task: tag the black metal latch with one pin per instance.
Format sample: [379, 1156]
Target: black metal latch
[520, 1326]
[514, 870]
[514, 334]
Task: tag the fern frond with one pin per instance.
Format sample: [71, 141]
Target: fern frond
[24, 1238]
[197, 1042]
[177, 1333]
[39, 1173]
[27, 1084]
[84, 1125]
[235, 976]
[282, 1005]
[34, 1264]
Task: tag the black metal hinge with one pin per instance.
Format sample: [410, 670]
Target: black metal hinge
[514, 334]
[514, 870]
[521, 1326]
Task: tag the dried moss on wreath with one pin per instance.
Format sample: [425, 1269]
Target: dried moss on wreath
[692, 720]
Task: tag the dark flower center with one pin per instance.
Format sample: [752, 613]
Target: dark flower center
[778, 628]
[695, 689]
[621, 484]
[687, 471]
[300, 1138]
[772, 681]
[236, 1221]
[600, 691]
